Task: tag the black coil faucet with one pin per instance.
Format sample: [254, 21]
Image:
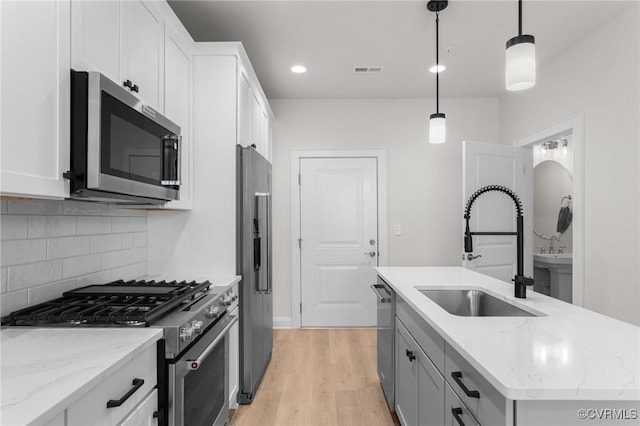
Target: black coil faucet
[521, 282]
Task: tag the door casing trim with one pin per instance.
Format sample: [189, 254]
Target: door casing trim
[383, 241]
[573, 125]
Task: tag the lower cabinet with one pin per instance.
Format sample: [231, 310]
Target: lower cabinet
[455, 412]
[127, 394]
[419, 385]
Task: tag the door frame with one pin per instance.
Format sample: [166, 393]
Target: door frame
[296, 157]
[573, 125]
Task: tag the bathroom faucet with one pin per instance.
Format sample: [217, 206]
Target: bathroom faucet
[521, 282]
[551, 249]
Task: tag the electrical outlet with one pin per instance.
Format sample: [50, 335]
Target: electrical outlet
[397, 230]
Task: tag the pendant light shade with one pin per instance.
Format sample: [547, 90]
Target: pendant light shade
[437, 123]
[520, 59]
[437, 128]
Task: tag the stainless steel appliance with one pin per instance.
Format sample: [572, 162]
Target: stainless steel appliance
[193, 367]
[386, 313]
[122, 151]
[254, 265]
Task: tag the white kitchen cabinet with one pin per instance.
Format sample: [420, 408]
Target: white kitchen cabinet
[177, 105]
[234, 361]
[123, 40]
[245, 108]
[95, 37]
[419, 385]
[92, 408]
[35, 86]
[145, 414]
[142, 42]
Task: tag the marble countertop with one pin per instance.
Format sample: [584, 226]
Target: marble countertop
[569, 354]
[44, 370]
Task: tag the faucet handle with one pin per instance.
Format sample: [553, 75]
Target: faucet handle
[542, 249]
[561, 249]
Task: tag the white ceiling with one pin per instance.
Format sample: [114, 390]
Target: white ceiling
[331, 37]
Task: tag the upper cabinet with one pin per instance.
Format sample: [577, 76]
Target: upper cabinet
[35, 86]
[254, 114]
[123, 40]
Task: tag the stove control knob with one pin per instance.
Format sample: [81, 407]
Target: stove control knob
[227, 300]
[197, 326]
[186, 333]
[212, 311]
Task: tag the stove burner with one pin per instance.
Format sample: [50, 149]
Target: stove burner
[119, 303]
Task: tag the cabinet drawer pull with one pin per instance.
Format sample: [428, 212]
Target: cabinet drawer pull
[410, 355]
[135, 88]
[457, 412]
[137, 384]
[457, 376]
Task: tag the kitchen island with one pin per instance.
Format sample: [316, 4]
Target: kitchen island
[546, 367]
[46, 371]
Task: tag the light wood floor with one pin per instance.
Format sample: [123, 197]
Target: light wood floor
[317, 378]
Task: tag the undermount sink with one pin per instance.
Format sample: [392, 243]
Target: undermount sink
[474, 303]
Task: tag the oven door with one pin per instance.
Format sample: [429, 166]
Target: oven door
[199, 380]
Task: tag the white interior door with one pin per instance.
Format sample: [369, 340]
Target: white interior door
[493, 164]
[339, 241]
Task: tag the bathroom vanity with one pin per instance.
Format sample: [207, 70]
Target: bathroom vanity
[552, 274]
[553, 364]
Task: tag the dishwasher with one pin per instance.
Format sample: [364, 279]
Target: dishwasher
[385, 297]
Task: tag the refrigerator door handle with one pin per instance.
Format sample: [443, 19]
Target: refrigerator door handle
[262, 277]
[268, 242]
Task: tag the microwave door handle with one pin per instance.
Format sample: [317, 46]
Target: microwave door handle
[171, 173]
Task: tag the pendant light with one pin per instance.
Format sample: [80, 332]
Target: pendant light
[521, 59]
[437, 123]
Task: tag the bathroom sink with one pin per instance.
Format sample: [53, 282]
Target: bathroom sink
[556, 259]
[473, 303]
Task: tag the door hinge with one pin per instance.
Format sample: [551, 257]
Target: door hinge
[300, 307]
[300, 243]
[299, 179]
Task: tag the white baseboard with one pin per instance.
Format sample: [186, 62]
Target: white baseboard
[282, 322]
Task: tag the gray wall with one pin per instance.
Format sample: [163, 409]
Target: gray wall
[49, 247]
[424, 180]
[599, 76]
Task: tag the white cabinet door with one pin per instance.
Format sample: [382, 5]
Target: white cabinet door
[430, 391]
[35, 87]
[234, 362]
[245, 98]
[145, 414]
[256, 124]
[96, 44]
[143, 37]
[177, 107]
[406, 383]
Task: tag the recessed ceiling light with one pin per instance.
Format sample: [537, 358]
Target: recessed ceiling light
[298, 69]
[437, 68]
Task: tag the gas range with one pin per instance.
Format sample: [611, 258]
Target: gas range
[183, 309]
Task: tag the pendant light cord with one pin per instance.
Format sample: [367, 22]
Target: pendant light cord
[519, 17]
[437, 65]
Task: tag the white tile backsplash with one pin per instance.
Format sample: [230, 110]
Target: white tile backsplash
[32, 274]
[15, 252]
[13, 227]
[93, 225]
[49, 247]
[81, 265]
[58, 248]
[46, 207]
[51, 226]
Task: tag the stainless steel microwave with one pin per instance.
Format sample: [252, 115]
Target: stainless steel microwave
[122, 151]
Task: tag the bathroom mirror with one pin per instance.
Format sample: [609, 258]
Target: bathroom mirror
[553, 186]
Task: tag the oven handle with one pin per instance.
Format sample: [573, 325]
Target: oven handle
[194, 364]
[381, 298]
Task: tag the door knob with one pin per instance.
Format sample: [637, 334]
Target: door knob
[471, 257]
[370, 253]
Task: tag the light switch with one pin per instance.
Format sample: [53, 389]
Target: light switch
[397, 230]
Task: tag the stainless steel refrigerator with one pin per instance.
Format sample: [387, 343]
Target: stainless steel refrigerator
[254, 265]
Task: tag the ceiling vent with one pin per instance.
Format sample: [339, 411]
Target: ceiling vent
[367, 70]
